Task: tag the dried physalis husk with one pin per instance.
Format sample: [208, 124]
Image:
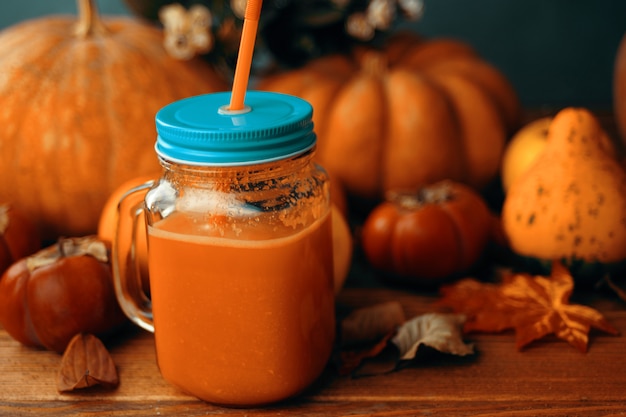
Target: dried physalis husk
[86, 363]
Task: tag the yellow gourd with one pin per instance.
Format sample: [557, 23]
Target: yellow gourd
[571, 203]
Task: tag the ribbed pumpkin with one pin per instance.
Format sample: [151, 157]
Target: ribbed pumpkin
[408, 114]
[78, 103]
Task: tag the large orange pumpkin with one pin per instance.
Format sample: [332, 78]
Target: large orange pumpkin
[77, 115]
[412, 113]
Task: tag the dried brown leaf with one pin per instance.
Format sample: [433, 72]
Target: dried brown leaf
[534, 306]
[442, 332]
[351, 360]
[371, 323]
[86, 363]
[615, 287]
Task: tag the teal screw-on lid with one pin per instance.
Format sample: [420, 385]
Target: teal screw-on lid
[200, 130]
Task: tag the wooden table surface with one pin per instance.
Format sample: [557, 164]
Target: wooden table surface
[550, 378]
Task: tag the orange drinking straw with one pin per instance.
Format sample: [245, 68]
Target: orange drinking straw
[244, 59]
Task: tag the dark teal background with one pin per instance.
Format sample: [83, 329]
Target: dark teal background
[556, 53]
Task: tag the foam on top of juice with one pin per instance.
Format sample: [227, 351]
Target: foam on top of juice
[178, 227]
[215, 202]
[220, 212]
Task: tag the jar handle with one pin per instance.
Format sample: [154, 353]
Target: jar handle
[129, 291]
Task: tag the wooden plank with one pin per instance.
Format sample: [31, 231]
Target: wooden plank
[550, 378]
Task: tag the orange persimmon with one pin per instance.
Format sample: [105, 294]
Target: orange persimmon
[428, 236]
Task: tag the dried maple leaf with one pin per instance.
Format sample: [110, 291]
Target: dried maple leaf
[534, 306]
[86, 362]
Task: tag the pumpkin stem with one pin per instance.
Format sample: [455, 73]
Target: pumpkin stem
[374, 63]
[89, 22]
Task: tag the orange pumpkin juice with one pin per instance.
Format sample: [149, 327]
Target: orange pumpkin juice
[242, 321]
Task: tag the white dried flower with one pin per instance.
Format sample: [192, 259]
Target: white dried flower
[380, 13]
[200, 17]
[239, 7]
[358, 26]
[413, 9]
[200, 32]
[187, 33]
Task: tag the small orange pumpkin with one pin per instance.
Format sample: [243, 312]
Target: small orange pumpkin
[410, 114]
[77, 115]
[107, 226]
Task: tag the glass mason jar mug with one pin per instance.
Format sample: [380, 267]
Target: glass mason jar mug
[239, 250]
